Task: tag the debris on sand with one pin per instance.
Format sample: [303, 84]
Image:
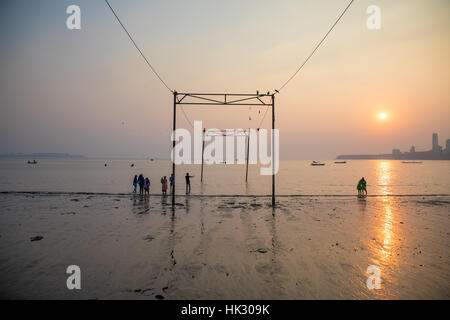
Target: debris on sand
[260, 250]
[149, 238]
[36, 238]
[69, 212]
[434, 202]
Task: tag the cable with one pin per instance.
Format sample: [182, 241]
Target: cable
[317, 46]
[142, 54]
[186, 117]
[265, 113]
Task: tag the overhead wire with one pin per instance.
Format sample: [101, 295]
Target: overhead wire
[316, 47]
[276, 91]
[137, 47]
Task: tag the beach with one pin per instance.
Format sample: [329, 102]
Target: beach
[223, 247]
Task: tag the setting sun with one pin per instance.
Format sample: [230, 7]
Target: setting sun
[382, 116]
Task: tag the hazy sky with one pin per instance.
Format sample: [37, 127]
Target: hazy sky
[89, 92]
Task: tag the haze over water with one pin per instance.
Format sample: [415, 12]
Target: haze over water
[296, 177]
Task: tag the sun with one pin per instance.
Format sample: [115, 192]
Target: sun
[382, 116]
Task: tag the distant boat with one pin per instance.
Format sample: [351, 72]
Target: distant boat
[411, 161]
[32, 162]
[152, 159]
[316, 163]
[340, 162]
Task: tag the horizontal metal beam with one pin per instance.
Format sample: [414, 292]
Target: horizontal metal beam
[224, 94]
[224, 104]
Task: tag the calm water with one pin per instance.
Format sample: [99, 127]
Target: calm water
[384, 177]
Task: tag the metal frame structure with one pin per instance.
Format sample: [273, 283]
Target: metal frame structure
[224, 99]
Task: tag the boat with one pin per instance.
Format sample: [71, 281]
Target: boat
[411, 161]
[32, 162]
[316, 163]
[152, 159]
[340, 162]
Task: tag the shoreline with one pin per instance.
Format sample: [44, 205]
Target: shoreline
[122, 194]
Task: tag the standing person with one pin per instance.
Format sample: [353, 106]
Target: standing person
[141, 182]
[363, 187]
[147, 186]
[188, 182]
[164, 185]
[135, 182]
[171, 183]
[359, 188]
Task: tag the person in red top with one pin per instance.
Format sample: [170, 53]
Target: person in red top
[164, 185]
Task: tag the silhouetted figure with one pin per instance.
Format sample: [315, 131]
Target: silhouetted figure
[171, 183]
[362, 190]
[135, 183]
[141, 182]
[188, 182]
[147, 186]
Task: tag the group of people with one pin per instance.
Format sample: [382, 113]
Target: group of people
[361, 187]
[144, 184]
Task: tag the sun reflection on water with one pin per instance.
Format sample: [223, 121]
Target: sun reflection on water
[385, 233]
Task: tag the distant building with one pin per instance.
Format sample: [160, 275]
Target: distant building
[396, 151]
[447, 146]
[412, 150]
[435, 143]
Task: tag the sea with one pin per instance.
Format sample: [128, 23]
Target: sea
[294, 178]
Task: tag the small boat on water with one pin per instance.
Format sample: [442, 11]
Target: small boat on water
[340, 162]
[152, 159]
[32, 162]
[316, 163]
[411, 161]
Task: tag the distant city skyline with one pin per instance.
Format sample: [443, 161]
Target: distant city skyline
[435, 153]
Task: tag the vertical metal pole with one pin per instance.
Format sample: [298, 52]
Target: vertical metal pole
[173, 144]
[273, 150]
[203, 150]
[248, 149]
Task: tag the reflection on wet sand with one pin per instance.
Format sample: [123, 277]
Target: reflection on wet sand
[228, 247]
[386, 239]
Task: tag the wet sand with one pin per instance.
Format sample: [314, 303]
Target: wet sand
[130, 247]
